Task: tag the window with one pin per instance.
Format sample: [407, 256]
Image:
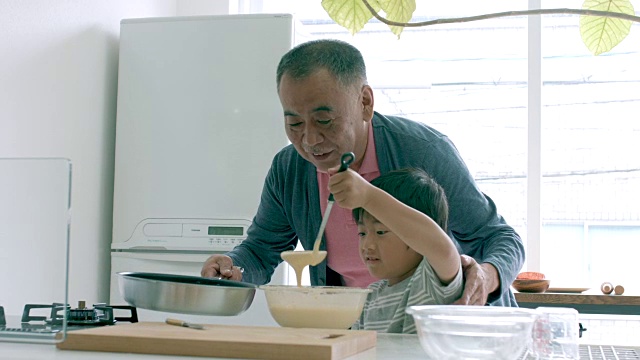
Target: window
[471, 82]
[590, 156]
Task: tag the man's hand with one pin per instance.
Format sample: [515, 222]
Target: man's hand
[220, 265]
[480, 281]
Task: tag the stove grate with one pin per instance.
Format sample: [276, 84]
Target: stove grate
[29, 330]
[601, 352]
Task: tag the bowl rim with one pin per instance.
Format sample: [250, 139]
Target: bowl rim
[526, 281]
[316, 289]
[444, 312]
[183, 280]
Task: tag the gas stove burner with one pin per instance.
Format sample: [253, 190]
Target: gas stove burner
[42, 327]
[100, 314]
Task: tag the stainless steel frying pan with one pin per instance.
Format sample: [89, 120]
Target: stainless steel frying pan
[185, 294]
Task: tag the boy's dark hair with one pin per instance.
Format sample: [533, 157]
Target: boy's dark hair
[414, 188]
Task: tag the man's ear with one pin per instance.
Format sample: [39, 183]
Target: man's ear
[367, 102]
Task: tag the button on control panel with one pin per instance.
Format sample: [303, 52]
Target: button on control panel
[224, 243]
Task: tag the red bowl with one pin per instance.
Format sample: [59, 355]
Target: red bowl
[531, 286]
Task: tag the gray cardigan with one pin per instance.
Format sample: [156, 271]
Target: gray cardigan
[289, 208]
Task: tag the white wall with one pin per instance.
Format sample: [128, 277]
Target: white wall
[58, 83]
[206, 7]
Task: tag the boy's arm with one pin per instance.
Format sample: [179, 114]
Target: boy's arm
[416, 229]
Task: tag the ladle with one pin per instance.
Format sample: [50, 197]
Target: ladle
[300, 259]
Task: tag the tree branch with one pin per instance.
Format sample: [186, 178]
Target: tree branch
[504, 14]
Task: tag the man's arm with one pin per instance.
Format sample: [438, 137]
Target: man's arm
[479, 230]
[270, 233]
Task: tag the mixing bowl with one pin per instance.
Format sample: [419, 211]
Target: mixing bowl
[325, 307]
[533, 286]
[185, 294]
[473, 332]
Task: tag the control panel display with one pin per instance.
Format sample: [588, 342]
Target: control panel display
[226, 230]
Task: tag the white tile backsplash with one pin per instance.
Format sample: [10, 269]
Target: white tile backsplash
[610, 329]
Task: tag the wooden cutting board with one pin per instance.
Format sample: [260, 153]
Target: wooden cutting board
[227, 341]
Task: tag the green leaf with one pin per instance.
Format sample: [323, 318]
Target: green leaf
[398, 11]
[600, 33]
[350, 14]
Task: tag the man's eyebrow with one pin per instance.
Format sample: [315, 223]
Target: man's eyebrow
[322, 108]
[318, 109]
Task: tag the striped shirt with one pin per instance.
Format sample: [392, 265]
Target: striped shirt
[384, 310]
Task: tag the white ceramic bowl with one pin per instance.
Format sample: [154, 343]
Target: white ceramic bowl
[324, 307]
[473, 332]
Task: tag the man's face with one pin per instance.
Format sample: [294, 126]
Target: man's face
[324, 119]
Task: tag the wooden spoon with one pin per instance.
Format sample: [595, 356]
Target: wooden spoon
[300, 259]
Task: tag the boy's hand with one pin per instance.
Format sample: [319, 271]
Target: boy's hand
[349, 189]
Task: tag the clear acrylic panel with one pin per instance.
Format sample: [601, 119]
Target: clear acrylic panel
[35, 210]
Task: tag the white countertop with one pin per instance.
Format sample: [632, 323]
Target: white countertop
[389, 346]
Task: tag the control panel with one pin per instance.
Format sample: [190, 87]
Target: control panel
[187, 234]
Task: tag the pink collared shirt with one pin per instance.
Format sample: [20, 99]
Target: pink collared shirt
[341, 233]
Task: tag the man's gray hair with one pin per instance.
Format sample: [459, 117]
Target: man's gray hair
[340, 58]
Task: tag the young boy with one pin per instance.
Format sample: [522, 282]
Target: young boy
[402, 219]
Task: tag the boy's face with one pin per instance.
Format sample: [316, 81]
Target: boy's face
[386, 256]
